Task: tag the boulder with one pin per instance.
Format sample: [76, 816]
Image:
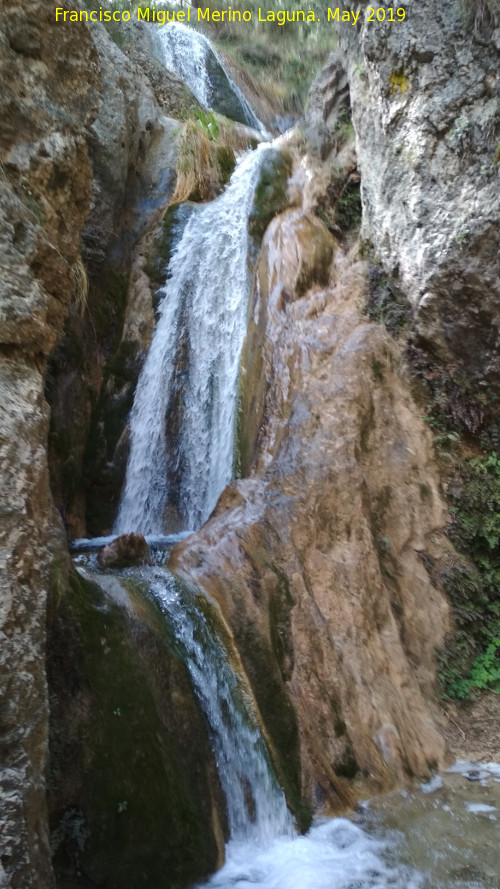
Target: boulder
[124, 551]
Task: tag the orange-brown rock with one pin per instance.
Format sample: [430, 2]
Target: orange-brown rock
[316, 559]
[125, 550]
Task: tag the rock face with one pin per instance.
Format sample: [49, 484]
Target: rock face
[46, 106]
[133, 152]
[134, 796]
[327, 101]
[426, 108]
[316, 559]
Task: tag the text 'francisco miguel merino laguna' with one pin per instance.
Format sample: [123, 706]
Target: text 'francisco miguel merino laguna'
[162, 16]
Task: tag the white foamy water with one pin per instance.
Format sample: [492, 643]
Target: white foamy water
[333, 855]
[185, 53]
[203, 311]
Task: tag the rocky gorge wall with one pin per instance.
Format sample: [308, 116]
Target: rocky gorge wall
[317, 556]
[426, 109]
[46, 107]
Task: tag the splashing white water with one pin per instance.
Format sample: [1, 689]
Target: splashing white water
[185, 52]
[335, 854]
[203, 313]
[264, 850]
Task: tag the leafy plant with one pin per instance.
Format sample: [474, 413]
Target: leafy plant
[484, 673]
[208, 123]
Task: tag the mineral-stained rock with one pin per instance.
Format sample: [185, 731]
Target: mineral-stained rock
[425, 97]
[316, 558]
[46, 105]
[125, 550]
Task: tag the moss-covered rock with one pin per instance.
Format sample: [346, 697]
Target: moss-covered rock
[270, 194]
[224, 98]
[134, 795]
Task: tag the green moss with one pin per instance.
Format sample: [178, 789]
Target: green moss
[278, 714]
[270, 195]
[377, 370]
[280, 605]
[107, 304]
[471, 658]
[127, 748]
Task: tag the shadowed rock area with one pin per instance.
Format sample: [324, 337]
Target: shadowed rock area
[45, 181]
[134, 796]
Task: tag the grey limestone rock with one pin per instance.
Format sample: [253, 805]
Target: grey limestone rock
[426, 108]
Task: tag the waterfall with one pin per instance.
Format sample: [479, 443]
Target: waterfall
[256, 806]
[192, 368]
[192, 57]
[264, 850]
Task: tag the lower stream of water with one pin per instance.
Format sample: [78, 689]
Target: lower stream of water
[443, 835]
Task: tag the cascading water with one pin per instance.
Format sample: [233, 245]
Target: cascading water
[187, 53]
[256, 804]
[264, 850]
[194, 357]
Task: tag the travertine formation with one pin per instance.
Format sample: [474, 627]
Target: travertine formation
[316, 558]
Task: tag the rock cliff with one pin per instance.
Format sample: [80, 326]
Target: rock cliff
[92, 375]
[425, 105]
[49, 98]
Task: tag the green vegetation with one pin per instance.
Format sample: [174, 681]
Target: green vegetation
[473, 660]
[271, 192]
[465, 420]
[206, 161]
[199, 175]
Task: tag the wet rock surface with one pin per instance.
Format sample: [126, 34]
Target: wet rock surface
[316, 559]
[133, 152]
[134, 796]
[126, 550]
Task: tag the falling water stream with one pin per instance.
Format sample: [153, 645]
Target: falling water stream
[186, 53]
[194, 357]
[194, 360]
